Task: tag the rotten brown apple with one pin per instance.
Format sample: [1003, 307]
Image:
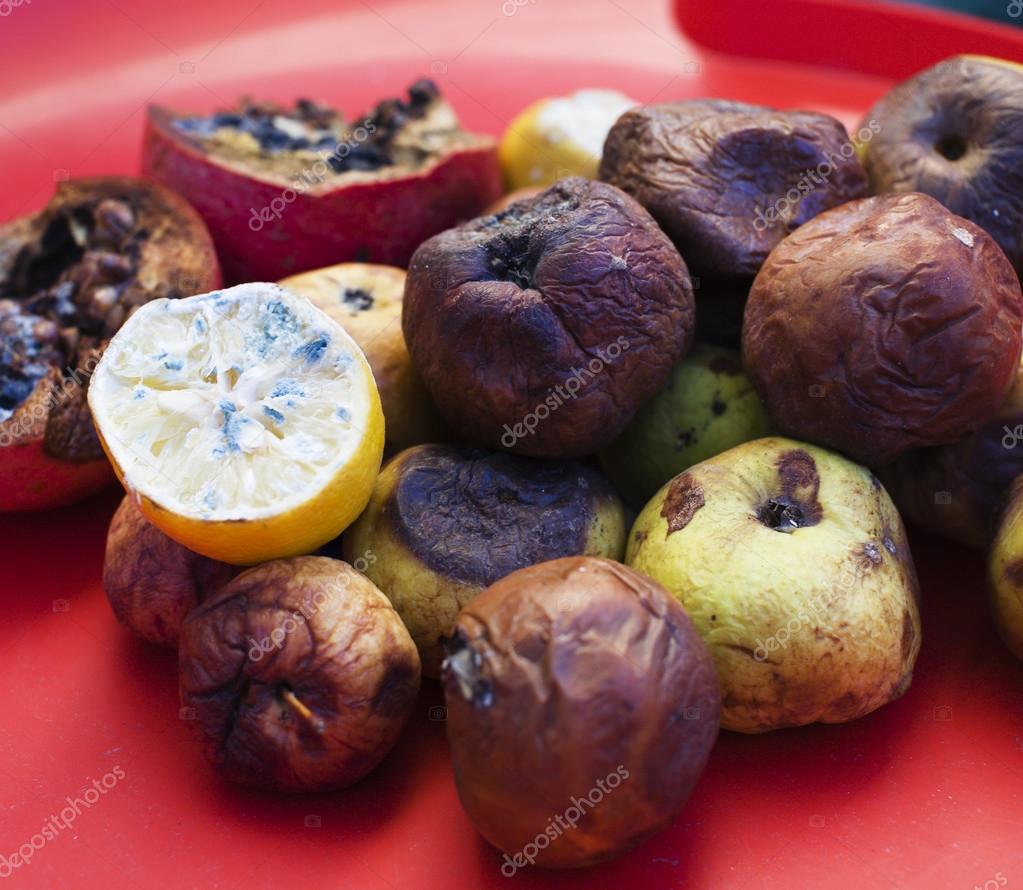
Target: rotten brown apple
[581, 708]
[298, 674]
[69, 277]
[727, 181]
[883, 325]
[955, 132]
[153, 582]
[542, 329]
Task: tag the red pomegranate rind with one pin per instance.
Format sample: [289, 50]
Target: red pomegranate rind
[266, 229]
[69, 276]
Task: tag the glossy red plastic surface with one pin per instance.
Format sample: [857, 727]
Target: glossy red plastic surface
[926, 793]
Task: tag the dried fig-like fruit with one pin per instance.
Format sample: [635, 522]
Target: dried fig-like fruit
[543, 328]
[884, 325]
[446, 522]
[298, 674]
[955, 132]
[727, 181]
[69, 277]
[285, 190]
[365, 299]
[152, 582]
[582, 707]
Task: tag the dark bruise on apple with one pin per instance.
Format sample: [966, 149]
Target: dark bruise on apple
[577, 678]
[541, 329]
[884, 325]
[298, 675]
[445, 522]
[70, 275]
[955, 132]
[153, 582]
[285, 190]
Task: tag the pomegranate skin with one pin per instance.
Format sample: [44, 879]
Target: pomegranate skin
[376, 221]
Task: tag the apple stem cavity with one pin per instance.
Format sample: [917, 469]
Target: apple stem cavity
[303, 711]
[782, 515]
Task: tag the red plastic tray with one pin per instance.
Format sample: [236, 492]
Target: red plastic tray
[925, 793]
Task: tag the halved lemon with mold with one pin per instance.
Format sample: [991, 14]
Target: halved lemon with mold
[246, 422]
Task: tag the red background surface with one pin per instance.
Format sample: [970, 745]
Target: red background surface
[925, 793]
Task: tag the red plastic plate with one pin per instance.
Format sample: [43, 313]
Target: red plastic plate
[926, 793]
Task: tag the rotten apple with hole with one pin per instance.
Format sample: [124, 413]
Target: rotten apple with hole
[543, 328]
[955, 132]
[285, 190]
[794, 566]
[956, 490]
[153, 582]
[884, 325]
[581, 709]
[365, 299]
[727, 181]
[70, 275]
[298, 675]
[445, 522]
[708, 406]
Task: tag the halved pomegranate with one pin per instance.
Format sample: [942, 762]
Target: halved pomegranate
[69, 277]
[285, 190]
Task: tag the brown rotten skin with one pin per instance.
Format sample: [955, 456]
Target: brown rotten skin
[365, 299]
[69, 277]
[152, 582]
[561, 678]
[299, 675]
[884, 325]
[715, 175]
[543, 328]
[446, 522]
[956, 490]
[955, 132]
[287, 190]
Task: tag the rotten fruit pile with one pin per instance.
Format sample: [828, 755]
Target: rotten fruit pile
[750, 334]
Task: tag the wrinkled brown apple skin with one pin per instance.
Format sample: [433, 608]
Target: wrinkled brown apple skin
[445, 522]
[713, 172]
[955, 132]
[309, 627]
[153, 582]
[578, 284]
[884, 325]
[956, 490]
[560, 676]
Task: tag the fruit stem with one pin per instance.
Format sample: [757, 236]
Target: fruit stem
[303, 711]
